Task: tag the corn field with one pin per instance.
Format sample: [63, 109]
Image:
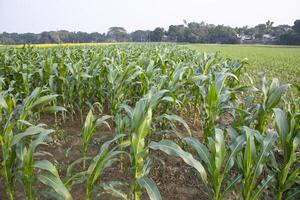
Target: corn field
[138, 107]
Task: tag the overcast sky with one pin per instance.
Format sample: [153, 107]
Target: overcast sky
[98, 15]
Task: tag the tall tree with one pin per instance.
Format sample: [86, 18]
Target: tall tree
[269, 26]
[260, 30]
[176, 33]
[118, 34]
[140, 36]
[296, 26]
[157, 35]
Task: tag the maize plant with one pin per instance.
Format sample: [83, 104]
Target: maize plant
[76, 82]
[235, 67]
[288, 171]
[19, 161]
[214, 162]
[140, 128]
[213, 110]
[90, 178]
[35, 103]
[122, 127]
[272, 95]
[120, 80]
[9, 159]
[256, 108]
[252, 161]
[218, 162]
[17, 142]
[216, 100]
[104, 159]
[88, 130]
[26, 155]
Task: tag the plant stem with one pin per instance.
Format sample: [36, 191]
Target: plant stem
[279, 195]
[84, 161]
[136, 191]
[8, 186]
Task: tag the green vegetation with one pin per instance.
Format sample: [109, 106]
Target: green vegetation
[282, 62]
[244, 141]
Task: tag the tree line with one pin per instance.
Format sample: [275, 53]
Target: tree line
[192, 32]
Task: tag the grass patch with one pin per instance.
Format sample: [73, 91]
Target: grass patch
[276, 61]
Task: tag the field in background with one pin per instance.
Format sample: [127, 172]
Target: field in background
[276, 61]
[65, 44]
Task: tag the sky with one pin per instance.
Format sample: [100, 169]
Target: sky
[98, 15]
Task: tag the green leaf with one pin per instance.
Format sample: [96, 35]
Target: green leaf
[281, 124]
[44, 100]
[266, 148]
[212, 98]
[219, 148]
[173, 149]
[156, 97]
[54, 109]
[202, 151]
[236, 147]
[55, 183]
[47, 166]
[178, 119]
[232, 183]
[274, 98]
[111, 188]
[103, 120]
[151, 188]
[3, 103]
[294, 194]
[29, 132]
[262, 187]
[293, 177]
